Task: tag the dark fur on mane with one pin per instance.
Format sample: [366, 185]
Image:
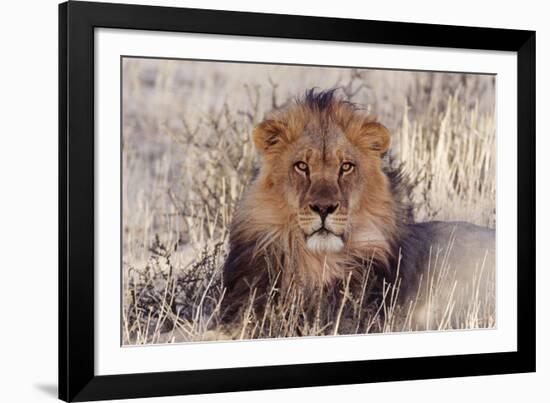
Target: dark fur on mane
[322, 100]
[401, 189]
[408, 243]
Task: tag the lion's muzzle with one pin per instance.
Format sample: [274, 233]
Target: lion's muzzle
[324, 226]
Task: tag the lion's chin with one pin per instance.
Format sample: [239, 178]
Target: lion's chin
[324, 242]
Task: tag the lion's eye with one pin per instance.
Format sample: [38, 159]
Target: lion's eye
[346, 167]
[301, 167]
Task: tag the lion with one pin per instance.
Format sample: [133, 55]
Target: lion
[325, 207]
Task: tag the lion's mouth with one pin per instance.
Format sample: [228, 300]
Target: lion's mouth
[322, 231]
[323, 240]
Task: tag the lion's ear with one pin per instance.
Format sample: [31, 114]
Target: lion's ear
[268, 134]
[375, 137]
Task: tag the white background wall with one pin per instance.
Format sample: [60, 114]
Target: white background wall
[28, 198]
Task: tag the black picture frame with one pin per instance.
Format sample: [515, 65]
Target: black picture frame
[77, 21]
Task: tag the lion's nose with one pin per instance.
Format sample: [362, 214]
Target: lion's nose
[324, 209]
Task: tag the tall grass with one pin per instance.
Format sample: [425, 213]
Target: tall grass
[187, 157]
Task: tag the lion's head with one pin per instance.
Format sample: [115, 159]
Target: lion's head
[322, 157]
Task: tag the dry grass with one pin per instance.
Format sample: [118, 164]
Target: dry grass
[187, 157]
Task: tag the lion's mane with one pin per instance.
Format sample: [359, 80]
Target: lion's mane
[266, 251]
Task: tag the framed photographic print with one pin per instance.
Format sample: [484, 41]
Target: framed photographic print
[258, 201]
